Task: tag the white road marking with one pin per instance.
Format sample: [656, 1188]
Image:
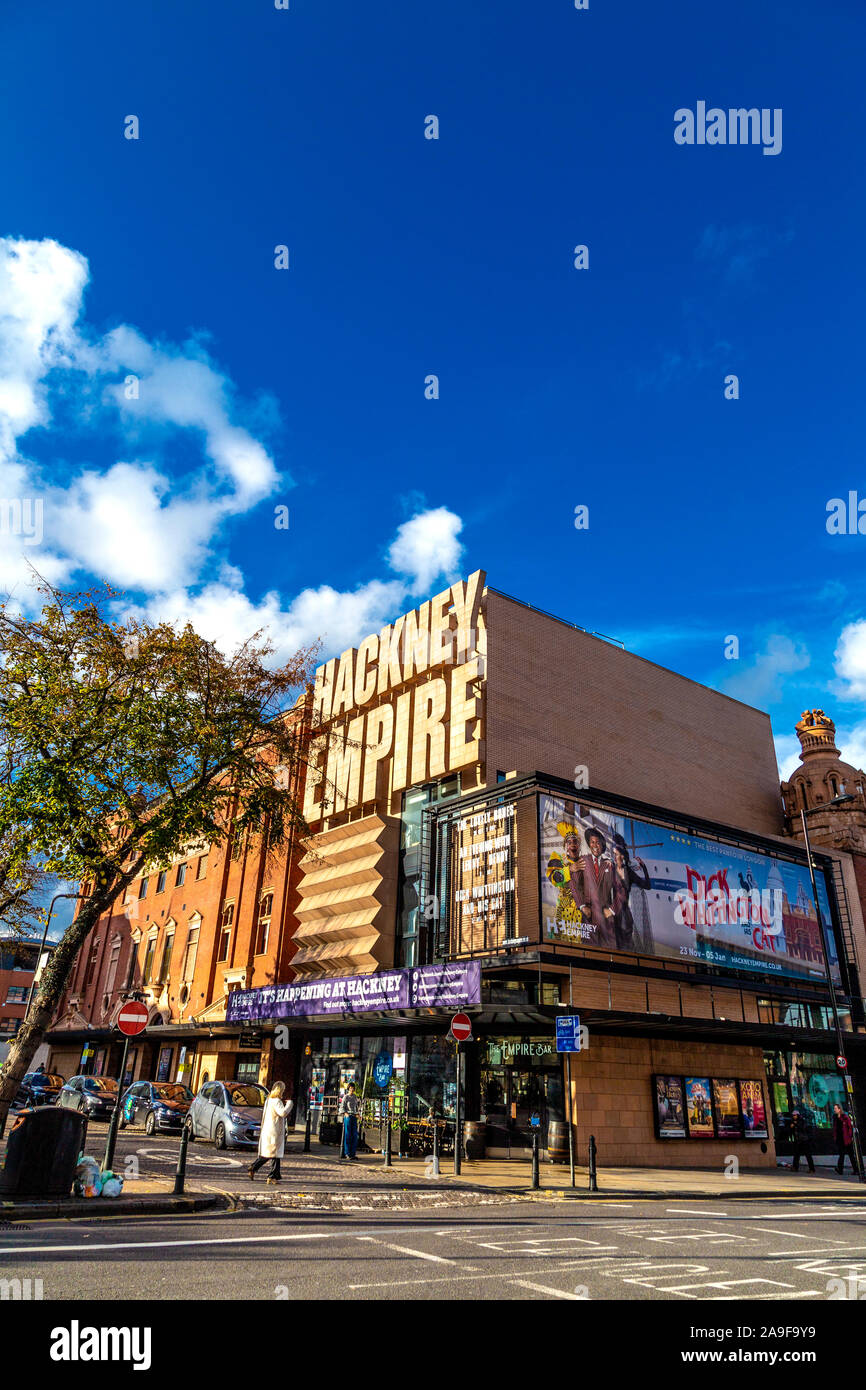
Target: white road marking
[418, 1254]
[691, 1211]
[166, 1244]
[465, 1278]
[545, 1288]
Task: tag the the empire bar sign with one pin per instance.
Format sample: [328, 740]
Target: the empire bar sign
[403, 707]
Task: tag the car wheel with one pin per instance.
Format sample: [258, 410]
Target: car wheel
[188, 1126]
[220, 1137]
[150, 1123]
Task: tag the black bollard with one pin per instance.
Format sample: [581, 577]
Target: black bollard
[536, 1183]
[593, 1176]
[180, 1172]
[435, 1147]
[387, 1141]
[307, 1128]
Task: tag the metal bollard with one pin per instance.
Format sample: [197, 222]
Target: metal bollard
[180, 1172]
[536, 1183]
[308, 1128]
[435, 1147]
[593, 1176]
[387, 1141]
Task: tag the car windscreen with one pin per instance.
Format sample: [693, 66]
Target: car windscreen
[246, 1095]
[100, 1083]
[172, 1091]
[43, 1079]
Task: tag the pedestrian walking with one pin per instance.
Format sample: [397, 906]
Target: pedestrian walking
[843, 1137]
[272, 1135]
[350, 1109]
[802, 1139]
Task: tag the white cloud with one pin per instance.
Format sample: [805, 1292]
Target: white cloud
[142, 522]
[131, 524]
[427, 546]
[787, 754]
[223, 613]
[850, 660]
[760, 683]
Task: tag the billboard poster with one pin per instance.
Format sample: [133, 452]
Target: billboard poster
[482, 871]
[670, 1114]
[753, 1110]
[699, 1107]
[726, 1103]
[616, 883]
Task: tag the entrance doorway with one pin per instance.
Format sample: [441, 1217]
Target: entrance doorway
[510, 1097]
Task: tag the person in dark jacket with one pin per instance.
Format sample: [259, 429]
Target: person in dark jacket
[843, 1138]
[802, 1139]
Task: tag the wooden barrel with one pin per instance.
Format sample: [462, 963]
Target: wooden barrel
[475, 1138]
[557, 1141]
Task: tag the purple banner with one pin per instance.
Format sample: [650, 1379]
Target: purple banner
[450, 986]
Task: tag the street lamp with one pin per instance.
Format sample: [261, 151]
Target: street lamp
[56, 898]
[843, 798]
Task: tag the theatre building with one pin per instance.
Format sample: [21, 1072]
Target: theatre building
[516, 817]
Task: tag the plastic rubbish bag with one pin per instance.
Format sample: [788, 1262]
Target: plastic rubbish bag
[88, 1179]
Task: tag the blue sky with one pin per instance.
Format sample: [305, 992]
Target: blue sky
[408, 257]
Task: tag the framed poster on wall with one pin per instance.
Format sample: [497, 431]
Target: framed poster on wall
[699, 1107]
[670, 1117]
[753, 1110]
[726, 1104]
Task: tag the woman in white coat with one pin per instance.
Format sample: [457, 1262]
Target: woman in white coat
[272, 1135]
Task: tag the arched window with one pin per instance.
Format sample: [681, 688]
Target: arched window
[834, 785]
[266, 904]
[805, 796]
[226, 932]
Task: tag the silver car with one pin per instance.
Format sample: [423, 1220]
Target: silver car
[229, 1113]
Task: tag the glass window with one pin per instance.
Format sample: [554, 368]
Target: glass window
[160, 882]
[201, 870]
[148, 959]
[181, 875]
[166, 957]
[264, 923]
[190, 953]
[142, 888]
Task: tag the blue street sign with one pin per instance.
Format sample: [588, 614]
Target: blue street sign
[568, 1033]
[535, 1121]
[382, 1069]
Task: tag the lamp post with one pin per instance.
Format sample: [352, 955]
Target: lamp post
[56, 898]
[831, 986]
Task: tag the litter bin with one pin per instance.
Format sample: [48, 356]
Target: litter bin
[42, 1152]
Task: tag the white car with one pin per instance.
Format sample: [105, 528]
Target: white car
[229, 1113]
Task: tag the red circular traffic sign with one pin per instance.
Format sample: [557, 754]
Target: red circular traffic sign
[132, 1018]
[461, 1027]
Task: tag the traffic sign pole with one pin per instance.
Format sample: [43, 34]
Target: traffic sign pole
[110, 1142]
[131, 1020]
[457, 1126]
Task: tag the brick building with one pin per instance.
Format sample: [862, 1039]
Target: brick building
[516, 816]
[186, 934]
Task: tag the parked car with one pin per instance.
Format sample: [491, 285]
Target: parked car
[228, 1112]
[94, 1096]
[39, 1088]
[156, 1105]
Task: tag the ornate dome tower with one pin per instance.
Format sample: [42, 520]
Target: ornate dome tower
[822, 777]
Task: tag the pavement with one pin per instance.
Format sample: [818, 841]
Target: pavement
[320, 1181]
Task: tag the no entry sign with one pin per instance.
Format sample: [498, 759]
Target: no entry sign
[461, 1027]
[132, 1018]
